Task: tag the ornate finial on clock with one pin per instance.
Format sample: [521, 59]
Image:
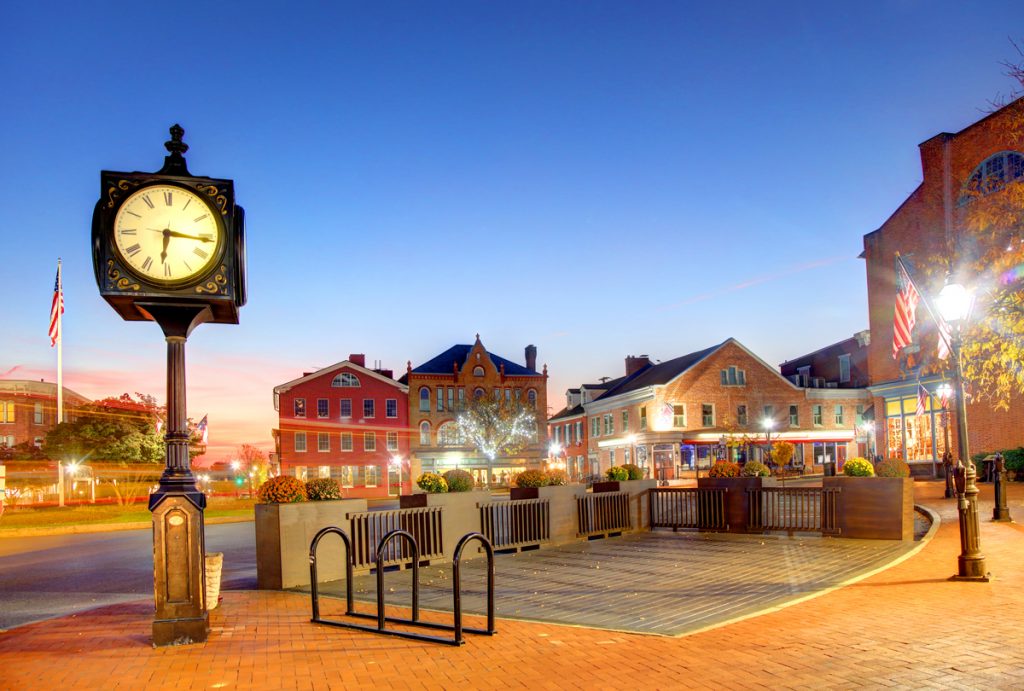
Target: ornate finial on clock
[175, 163]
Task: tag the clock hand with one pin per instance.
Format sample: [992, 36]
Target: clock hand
[167, 239]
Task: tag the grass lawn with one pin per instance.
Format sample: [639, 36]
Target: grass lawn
[29, 517]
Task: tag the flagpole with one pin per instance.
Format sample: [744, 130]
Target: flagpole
[60, 346]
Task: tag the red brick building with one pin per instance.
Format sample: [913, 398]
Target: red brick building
[842, 365]
[28, 410]
[441, 387]
[681, 414]
[347, 422]
[984, 158]
[568, 430]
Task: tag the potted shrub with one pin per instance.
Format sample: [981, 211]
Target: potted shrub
[323, 489]
[459, 480]
[527, 483]
[634, 471]
[892, 467]
[755, 469]
[557, 478]
[858, 467]
[283, 489]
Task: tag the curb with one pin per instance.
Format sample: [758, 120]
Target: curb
[105, 527]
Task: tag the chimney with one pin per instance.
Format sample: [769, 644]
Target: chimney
[635, 363]
[531, 357]
[390, 374]
[357, 359]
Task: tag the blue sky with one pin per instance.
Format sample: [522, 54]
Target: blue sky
[599, 179]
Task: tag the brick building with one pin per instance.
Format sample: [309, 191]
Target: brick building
[842, 365]
[28, 410]
[347, 422]
[679, 414]
[568, 430]
[983, 159]
[441, 387]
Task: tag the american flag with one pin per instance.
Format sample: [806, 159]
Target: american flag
[945, 338]
[56, 309]
[201, 429]
[907, 298]
[922, 399]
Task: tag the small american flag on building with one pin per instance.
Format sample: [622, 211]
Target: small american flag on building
[922, 399]
[201, 429]
[56, 309]
[907, 298]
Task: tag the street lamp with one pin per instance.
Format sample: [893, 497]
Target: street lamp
[954, 303]
[768, 424]
[867, 428]
[396, 463]
[945, 394]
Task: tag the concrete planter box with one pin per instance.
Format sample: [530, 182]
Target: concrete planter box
[524, 493]
[459, 515]
[639, 497]
[880, 508]
[737, 500]
[562, 504]
[283, 534]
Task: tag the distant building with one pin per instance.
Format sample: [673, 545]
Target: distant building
[842, 365]
[441, 387]
[346, 422]
[985, 158]
[682, 414]
[567, 430]
[28, 410]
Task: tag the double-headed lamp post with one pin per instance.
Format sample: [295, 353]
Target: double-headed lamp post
[945, 393]
[954, 304]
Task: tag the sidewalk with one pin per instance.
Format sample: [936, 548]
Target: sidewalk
[904, 627]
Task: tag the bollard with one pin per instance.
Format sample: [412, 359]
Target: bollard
[1001, 512]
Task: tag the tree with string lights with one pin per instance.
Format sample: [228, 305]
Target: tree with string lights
[496, 427]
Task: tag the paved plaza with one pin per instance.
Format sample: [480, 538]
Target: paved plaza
[906, 626]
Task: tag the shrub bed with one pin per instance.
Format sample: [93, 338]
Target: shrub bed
[432, 483]
[283, 489]
[858, 467]
[323, 489]
[459, 480]
[724, 469]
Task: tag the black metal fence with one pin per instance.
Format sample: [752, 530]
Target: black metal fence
[369, 528]
[512, 524]
[687, 507]
[603, 513]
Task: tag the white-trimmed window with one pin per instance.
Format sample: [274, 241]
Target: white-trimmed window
[299, 407]
[7, 412]
[37, 413]
[300, 442]
[323, 442]
[451, 398]
[679, 415]
[392, 441]
[440, 399]
[300, 473]
[346, 441]
[322, 408]
[558, 434]
[643, 418]
[424, 399]
[478, 371]
[323, 471]
[369, 441]
[625, 421]
[345, 380]
[348, 476]
[707, 414]
[462, 398]
[794, 416]
[579, 430]
[733, 376]
[816, 415]
[372, 475]
[611, 456]
[391, 407]
[609, 423]
[448, 434]
[345, 406]
[368, 410]
[992, 175]
[768, 412]
[741, 415]
[425, 433]
[595, 426]
[839, 415]
[531, 398]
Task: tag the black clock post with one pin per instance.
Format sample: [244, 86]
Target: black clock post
[178, 297]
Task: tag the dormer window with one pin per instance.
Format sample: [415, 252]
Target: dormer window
[345, 380]
[733, 376]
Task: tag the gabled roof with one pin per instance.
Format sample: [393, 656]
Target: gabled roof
[282, 388]
[457, 354]
[567, 413]
[659, 374]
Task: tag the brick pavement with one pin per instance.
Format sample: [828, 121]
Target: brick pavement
[905, 627]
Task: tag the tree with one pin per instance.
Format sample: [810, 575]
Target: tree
[496, 427]
[254, 460]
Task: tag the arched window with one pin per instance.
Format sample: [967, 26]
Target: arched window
[345, 380]
[424, 399]
[478, 393]
[424, 433]
[531, 397]
[992, 175]
[478, 371]
[448, 434]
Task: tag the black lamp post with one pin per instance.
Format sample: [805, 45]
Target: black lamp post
[954, 303]
[945, 392]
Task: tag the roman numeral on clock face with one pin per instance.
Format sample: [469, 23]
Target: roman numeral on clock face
[148, 201]
[200, 252]
[168, 198]
[148, 263]
[128, 231]
[133, 250]
[197, 219]
[167, 270]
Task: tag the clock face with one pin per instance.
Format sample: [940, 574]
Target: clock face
[168, 234]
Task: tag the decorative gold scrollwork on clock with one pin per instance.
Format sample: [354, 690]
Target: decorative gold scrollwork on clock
[215, 194]
[217, 283]
[119, 281]
[113, 194]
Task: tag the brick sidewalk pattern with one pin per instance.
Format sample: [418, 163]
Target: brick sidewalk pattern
[906, 627]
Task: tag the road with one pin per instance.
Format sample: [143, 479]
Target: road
[52, 576]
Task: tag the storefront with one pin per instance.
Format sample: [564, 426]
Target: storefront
[917, 432]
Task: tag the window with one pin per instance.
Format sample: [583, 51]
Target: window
[707, 414]
[451, 398]
[679, 415]
[7, 412]
[567, 432]
[625, 455]
[300, 442]
[643, 418]
[992, 175]
[348, 476]
[839, 415]
[794, 416]
[805, 375]
[323, 442]
[425, 433]
[768, 412]
[372, 475]
[462, 398]
[741, 415]
[299, 407]
[440, 399]
[860, 416]
[579, 431]
[367, 407]
[324, 471]
[391, 407]
[37, 413]
[609, 424]
[346, 441]
[733, 376]
[300, 472]
[478, 371]
[478, 393]
[558, 434]
[844, 368]
[448, 434]
[424, 400]
[595, 426]
[345, 380]
[625, 421]
[531, 398]
[345, 405]
[508, 395]
[369, 441]
[816, 414]
[321, 407]
[611, 456]
[392, 441]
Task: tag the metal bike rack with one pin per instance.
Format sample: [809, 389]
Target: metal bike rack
[380, 616]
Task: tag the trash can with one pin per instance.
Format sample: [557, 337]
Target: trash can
[830, 468]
